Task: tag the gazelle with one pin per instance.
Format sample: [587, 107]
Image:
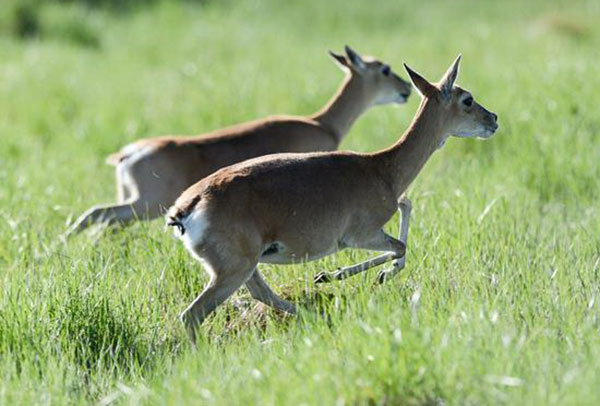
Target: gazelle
[152, 172]
[293, 207]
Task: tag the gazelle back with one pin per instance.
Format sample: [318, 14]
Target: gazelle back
[294, 207]
[152, 173]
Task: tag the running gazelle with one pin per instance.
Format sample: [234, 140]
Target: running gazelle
[293, 207]
[151, 173]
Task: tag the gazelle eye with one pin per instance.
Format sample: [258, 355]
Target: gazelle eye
[386, 70]
[468, 101]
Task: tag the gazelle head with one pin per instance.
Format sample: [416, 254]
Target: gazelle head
[462, 116]
[374, 76]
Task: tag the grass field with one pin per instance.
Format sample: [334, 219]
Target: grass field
[498, 304]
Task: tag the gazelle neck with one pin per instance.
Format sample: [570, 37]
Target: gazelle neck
[403, 161]
[348, 103]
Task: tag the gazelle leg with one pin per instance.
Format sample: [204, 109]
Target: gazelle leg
[114, 213]
[101, 213]
[380, 242]
[347, 271]
[405, 207]
[262, 292]
[216, 292]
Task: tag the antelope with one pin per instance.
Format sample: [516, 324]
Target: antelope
[286, 208]
[151, 173]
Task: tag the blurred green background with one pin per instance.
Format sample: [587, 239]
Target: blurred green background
[497, 304]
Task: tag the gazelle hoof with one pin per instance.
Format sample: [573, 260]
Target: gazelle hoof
[322, 277]
[382, 276]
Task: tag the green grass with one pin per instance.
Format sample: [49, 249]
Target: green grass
[498, 303]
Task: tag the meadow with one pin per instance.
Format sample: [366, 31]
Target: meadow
[498, 303]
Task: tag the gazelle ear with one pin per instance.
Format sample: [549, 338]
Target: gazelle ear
[447, 81]
[340, 60]
[355, 59]
[423, 86]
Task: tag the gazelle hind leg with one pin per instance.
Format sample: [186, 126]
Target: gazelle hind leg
[101, 213]
[147, 199]
[379, 242]
[216, 292]
[405, 207]
[114, 213]
[260, 291]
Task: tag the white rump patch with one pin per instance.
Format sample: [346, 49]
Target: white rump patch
[195, 226]
[134, 153]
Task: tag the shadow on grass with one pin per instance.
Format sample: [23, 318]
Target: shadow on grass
[245, 313]
[400, 401]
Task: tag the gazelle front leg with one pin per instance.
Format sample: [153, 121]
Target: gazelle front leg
[379, 242]
[405, 207]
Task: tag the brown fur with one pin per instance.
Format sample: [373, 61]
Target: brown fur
[315, 204]
[152, 172]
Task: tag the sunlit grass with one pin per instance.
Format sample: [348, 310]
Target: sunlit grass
[497, 305]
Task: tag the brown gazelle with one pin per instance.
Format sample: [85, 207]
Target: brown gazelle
[152, 173]
[295, 207]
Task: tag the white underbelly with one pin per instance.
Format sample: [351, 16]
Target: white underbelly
[279, 253]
